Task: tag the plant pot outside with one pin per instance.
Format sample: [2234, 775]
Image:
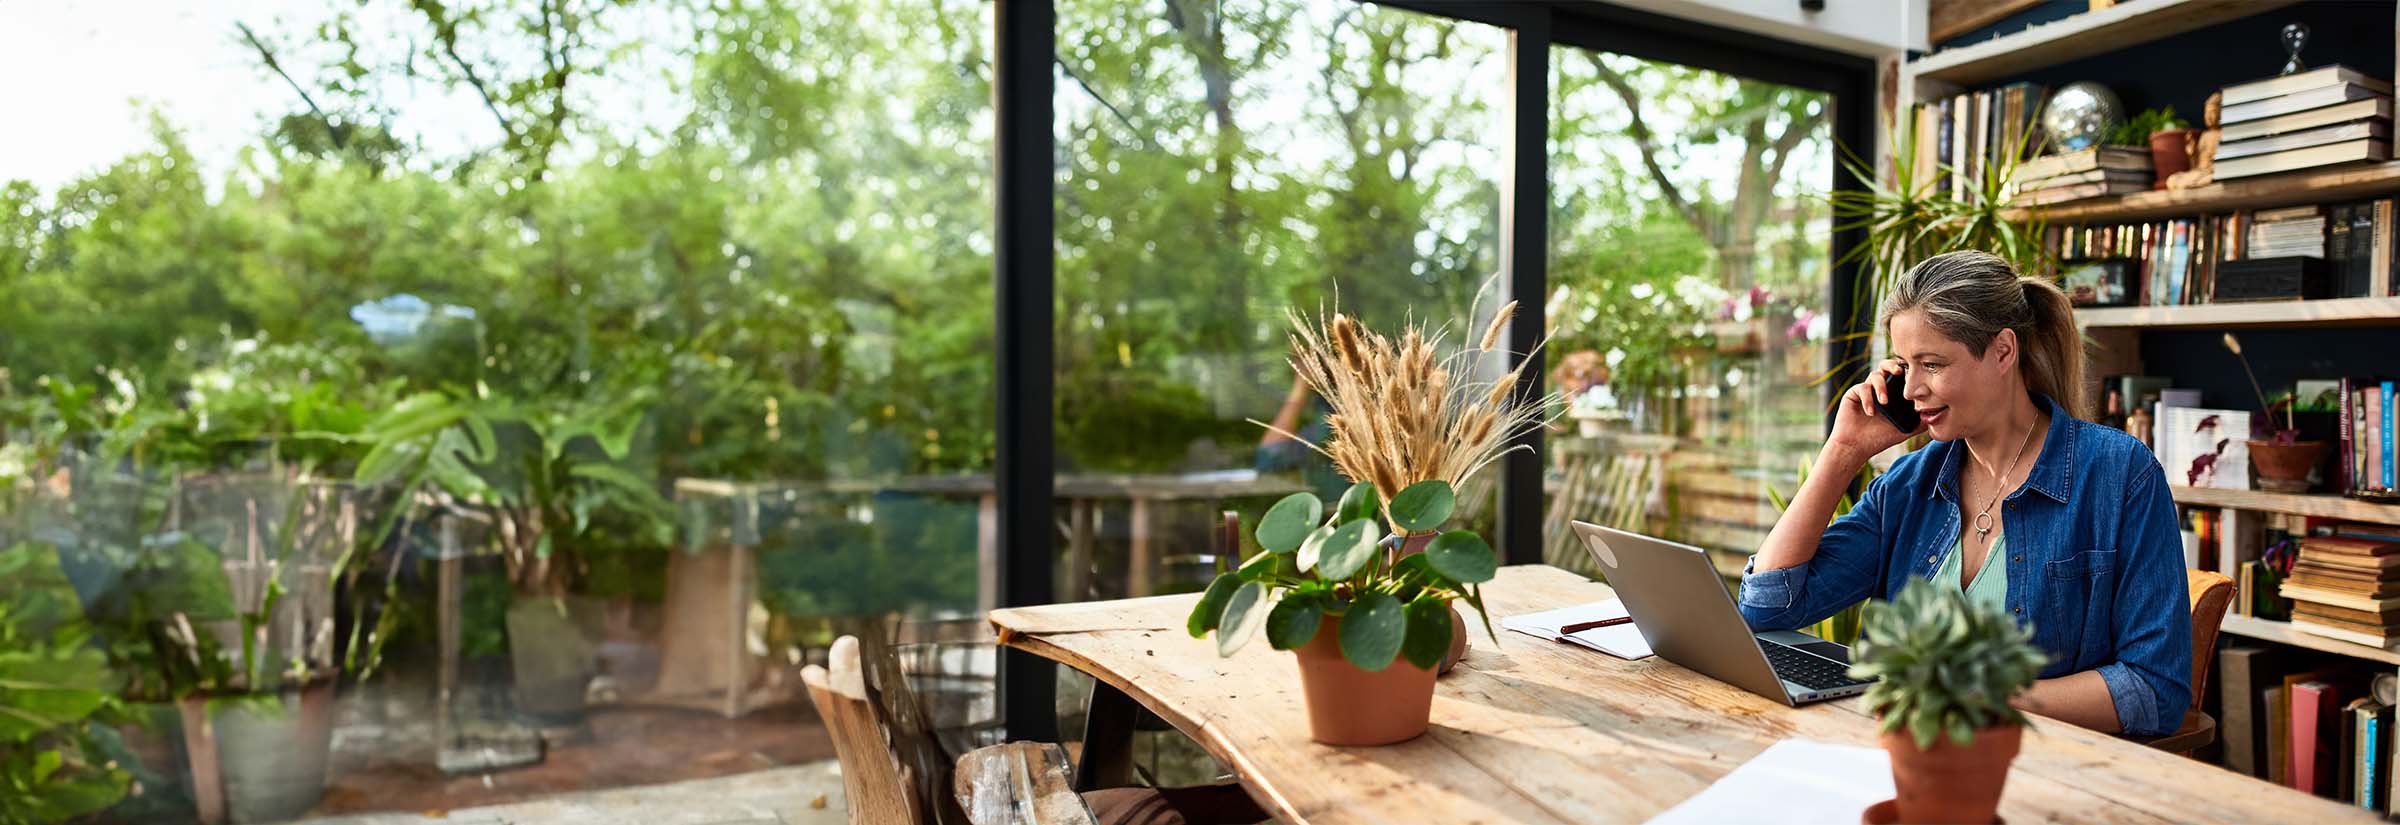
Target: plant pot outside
[2170, 152]
[259, 757]
[1458, 624]
[1352, 707]
[1949, 783]
[2284, 468]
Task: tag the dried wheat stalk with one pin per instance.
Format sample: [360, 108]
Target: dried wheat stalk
[1401, 414]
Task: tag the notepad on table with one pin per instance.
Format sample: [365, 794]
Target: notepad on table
[1793, 781]
[1616, 636]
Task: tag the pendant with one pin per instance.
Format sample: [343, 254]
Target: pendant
[1983, 526]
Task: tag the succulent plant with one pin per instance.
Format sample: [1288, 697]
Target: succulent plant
[1323, 562]
[1943, 664]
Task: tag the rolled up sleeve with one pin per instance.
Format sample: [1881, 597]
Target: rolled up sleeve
[2151, 680]
[1848, 563]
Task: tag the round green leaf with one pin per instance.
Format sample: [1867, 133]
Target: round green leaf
[1372, 631]
[1423, 506]
[1350, 547]
[1245, 610]
[1358, 502]
[1428, 632]
[1293, 622]
[1288, 522]
[1462, 556]
[1312, 549]
[1264, 567]
[1211, 608]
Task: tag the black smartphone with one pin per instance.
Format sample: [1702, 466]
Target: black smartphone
[1901, 413]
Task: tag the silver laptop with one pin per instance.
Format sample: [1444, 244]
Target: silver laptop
[1683, 610]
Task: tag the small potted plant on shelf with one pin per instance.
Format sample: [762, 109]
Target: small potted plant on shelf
[1944, 670]
[1370, 616]
[2168, 137]
[2283, 461]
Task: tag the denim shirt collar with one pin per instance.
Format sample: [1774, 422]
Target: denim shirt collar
[2053, 472]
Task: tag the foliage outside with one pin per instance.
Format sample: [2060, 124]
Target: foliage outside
[1943, 665]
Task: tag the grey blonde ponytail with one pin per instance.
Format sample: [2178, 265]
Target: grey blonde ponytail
[1970, 296]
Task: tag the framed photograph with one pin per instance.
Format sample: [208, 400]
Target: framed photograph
[2099, 282]
[2201, 447]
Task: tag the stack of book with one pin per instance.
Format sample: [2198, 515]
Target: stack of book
[2088, 173]
[2297, 231]
[2347, 586]
[2315, 118]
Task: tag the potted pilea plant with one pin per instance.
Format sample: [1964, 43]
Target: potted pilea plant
[1369, 625]
[2284, 460]
[1945, 670]
[1370, 615]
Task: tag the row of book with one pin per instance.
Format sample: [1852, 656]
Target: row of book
[2321, 728]
[2320, 117]
[2367, 461]
[2342, 250]
[1959, 139]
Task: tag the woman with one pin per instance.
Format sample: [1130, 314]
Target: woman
[2017, 501]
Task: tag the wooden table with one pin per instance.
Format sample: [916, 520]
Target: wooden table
[1535, 731]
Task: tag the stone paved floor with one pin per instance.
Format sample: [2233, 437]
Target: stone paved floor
[809, 794]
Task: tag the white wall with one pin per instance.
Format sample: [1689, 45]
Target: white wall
[1872, 28]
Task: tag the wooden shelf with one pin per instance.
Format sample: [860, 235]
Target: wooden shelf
[2274, 631]
[2328, 312]
[2079, 37]
[2323, 506]
[2129, 23]
[2323, 185]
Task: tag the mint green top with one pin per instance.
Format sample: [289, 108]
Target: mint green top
[1990, 587]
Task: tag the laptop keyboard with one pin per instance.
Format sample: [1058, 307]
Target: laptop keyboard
[1812, 672]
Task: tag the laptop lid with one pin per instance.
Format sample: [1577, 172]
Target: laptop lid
[1682, 607]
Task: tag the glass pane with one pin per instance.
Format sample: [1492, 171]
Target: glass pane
[1224, 163]
[518, 395]
[1690, 267]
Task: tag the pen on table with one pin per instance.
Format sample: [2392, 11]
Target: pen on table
[1579, 627]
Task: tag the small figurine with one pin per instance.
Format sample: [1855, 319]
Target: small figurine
[2295, 36]
[2203, 147]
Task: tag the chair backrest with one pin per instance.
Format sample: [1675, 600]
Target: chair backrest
[892, 769]
[2211, 593]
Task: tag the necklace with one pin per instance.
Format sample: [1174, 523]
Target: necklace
[1983, 519]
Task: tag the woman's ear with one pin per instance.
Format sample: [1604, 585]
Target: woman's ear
[2004, 348]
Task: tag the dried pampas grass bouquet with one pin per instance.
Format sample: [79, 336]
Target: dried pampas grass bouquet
[1403, 412]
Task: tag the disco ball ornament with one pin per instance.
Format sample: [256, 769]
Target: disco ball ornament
[2080, 115]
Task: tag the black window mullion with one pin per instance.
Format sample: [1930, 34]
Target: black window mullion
[1022, 287]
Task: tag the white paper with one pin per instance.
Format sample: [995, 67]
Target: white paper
[1793, 781]
[1623, 641]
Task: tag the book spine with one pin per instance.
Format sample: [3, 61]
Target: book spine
[2379, 274]
[2308, 735]
[2369, 744]
[2386, 435]
[2374, 406]
[2342, 398]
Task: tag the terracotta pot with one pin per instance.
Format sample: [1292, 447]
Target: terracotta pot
[2284, 468]
[1349, 706]
[1949, 783]
[2170, 152]
[1458, 624]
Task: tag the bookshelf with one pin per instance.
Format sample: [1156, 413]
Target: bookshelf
[2269, 630]
[2128, 23]
[2310, 504]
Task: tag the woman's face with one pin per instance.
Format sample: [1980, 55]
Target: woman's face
[1957, 393]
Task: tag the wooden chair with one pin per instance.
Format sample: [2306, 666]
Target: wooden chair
[893, 771]
[2211, 593]
[1607, 482]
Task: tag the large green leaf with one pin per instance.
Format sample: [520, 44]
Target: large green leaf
[1372, 631]
[1211, 608]
[1245, 611]
[1360, 501]
[1428, 631]
[1312, 549]
[1462, 556]
[1423, 506]
[1350, 547]
[1293, 621]
[1288, 523]
[1266, 567]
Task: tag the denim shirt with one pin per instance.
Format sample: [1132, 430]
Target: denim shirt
[2095, 562]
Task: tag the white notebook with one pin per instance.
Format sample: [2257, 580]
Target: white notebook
[1793, 781]
[1623, 641]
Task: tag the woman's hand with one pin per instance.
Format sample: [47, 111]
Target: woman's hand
[1859, 428]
